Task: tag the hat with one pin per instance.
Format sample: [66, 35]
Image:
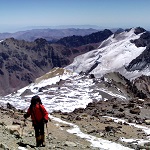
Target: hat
[35, 99]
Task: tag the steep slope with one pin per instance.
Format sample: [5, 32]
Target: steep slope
[21, 62]
[113, 54]
[130, 88]
[143, 84]
[143, 60]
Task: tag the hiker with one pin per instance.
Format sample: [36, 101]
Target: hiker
[39, 117]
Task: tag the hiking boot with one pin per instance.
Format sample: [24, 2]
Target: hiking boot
[38, 141]
[43, 140]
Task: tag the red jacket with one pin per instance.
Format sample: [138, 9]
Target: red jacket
[37, 113]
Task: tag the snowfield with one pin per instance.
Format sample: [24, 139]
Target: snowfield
[113, 54]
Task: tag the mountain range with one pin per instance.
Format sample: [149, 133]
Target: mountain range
[101, 79]
[99, 53]
[22, 61]
[48, 34]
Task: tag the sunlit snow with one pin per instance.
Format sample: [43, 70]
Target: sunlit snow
[114, 53]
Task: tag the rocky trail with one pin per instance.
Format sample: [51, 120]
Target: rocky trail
[15, 134]
[99, 121]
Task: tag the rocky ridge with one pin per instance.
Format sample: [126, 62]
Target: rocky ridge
[22, 62]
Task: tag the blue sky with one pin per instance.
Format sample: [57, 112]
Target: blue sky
[16, 14]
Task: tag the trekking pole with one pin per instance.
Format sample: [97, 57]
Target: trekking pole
[48, 137]
[24, 124]
[23, 127]
[47, 129]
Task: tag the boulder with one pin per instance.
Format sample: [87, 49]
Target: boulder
[147, 122]
[135, 110]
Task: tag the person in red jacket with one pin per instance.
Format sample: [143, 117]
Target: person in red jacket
[39, 116]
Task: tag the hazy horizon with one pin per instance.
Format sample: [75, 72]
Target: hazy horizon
[17, 15]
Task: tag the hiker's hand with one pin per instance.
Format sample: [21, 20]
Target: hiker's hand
[45, 120]
[25, 116]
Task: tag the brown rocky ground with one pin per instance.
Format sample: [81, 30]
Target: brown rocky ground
[14, 132]
[90, 120]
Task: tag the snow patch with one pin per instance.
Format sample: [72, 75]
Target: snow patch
[95, 142]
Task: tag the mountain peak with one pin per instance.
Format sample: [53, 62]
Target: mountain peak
[139, 30]
[114, 53]
[40, 41]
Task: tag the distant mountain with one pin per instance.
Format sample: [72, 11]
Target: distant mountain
[48, 34]
[75, 41]
[65, 27]
[117, 30]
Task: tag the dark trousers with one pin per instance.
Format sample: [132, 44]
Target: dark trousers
[39, 129]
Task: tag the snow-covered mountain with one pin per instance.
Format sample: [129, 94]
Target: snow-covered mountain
[113, 55]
